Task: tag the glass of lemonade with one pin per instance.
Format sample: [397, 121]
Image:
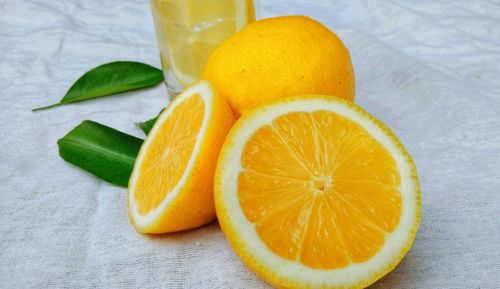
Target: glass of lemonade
[188, 31]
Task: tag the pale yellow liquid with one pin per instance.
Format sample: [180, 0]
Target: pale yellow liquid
[188, 31]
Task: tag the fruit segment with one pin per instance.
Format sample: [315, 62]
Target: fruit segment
[324, 246]
[319, 189]
[164, 164]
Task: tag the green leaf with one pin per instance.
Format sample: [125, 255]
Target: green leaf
[103, 151]
[111, 78]
[147, 125]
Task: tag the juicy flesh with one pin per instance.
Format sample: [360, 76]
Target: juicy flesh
[168, 154]
[319, 189]
[188, 31]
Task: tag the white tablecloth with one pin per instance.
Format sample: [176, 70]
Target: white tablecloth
[430, 70]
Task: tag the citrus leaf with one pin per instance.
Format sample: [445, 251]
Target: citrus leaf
[111, 78]
[103, 151]
[147, 125]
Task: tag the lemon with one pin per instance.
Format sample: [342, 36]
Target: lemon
[313, 192]
[171, 186]
[189, 30]
[279, 57]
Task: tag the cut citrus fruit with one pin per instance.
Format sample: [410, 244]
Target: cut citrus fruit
[313, 192]
[189, 30]
[171, 186]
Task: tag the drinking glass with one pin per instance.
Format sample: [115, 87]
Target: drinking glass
[188, 31]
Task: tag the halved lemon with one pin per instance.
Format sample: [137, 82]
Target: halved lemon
[313, 192]
[189, 30]
[171, 186]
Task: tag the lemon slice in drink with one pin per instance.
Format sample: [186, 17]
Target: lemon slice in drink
[189, 30]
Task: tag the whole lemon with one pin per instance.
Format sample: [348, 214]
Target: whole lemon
[280, 57]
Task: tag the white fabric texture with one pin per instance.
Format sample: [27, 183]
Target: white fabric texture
[429, 69]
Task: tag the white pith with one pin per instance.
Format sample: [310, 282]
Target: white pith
[295, 272]
[204, 90]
